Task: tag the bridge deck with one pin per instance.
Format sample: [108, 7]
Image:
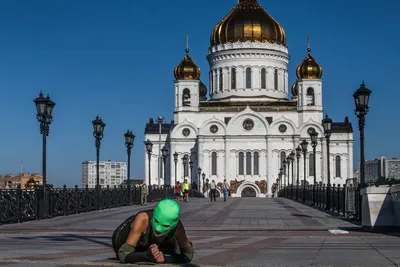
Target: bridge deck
[241, 232]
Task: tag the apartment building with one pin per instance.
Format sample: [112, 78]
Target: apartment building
[112, 173]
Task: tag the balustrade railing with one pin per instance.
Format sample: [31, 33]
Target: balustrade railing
[342, 201]
[20, 205]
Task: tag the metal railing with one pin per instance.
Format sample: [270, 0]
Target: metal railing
[343, 201]
[20, 205]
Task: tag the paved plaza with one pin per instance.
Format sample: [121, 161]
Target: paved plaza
[240, 232]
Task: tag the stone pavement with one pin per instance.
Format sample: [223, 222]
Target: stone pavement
[240, 232]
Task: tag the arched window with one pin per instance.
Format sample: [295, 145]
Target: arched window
[311, 165]
[241, 163]
[233, 78]
[186, 167]
[276, 84]
[283, 157]
[310, 96]
[214, 163]
[338, 166]
[186, 97]
[221, 80]
[248, 163]
[248, 78]
[263, 78]
[256, 162]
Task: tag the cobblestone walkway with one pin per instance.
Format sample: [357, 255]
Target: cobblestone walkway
[240, 232]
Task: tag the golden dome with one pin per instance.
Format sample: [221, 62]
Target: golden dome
[309, 68]
[187, 69]
[294, 89]
[248, 21]
[202, 90]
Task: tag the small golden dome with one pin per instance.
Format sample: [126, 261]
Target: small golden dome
[202, 90]
[309, 68]
[187, 69]
[248, 21]
[294, 89]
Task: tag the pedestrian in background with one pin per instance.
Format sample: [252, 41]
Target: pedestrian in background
[225, 189]
[213, 190]
[144, 190]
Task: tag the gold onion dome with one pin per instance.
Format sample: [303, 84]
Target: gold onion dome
[202, 90]
[248, 21]
[187, 69]
[294, 89]
[309, 68]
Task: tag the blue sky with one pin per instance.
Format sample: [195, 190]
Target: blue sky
[116, 59]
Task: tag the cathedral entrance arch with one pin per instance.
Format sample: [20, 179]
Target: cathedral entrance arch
[249, 189]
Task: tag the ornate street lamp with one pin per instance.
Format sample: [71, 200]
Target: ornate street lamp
[298, 155]
[44, 109]
[304, 145]
[160, 120]
[98, 133]
[176, 155]
[284, 172]
[191, 169]
[184, 162]
[204, 177]
[280, 178]
[314, 143]
[164, 152]
[327, 123]
[198, 179]
[361, 100]
[149, 149]
[292, 156]
[288, 173]
[129, 140]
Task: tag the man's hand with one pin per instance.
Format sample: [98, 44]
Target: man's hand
[158, 255]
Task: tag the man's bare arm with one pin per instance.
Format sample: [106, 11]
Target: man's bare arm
[127, 253]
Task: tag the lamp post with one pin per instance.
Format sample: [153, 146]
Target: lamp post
[361, 100]
[184, 162]
[149, 149]
[204, 177]
[298, 155]
[280, 179]
[327, 123]
[304, 145]
[191, 173]
[284, 172]
[314, 143]
[44, 108]
[288, 172]
[164, 152]
[98, 133]
[160, 120]
[198, 179]
[292, 156]
[176, 166]
[129, 140]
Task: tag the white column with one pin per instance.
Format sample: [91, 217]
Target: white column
[324, 172]
[350, 159]
[269, 166]
[227, 158]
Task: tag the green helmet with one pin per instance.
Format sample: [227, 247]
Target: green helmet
[165, 217]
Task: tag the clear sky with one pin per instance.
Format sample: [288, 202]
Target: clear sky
[116, 59]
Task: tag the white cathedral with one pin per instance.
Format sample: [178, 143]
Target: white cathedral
[252, 119]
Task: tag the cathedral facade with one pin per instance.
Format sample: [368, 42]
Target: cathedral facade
[252, 118]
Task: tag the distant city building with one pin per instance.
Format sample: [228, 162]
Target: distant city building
[372, 170]
[111, 173]
[26, 180]
[391, 168]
